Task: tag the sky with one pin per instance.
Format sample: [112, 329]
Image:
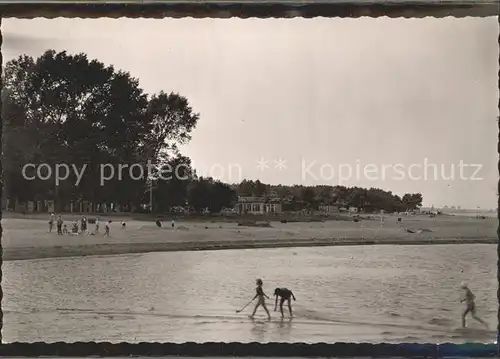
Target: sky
[407, 105]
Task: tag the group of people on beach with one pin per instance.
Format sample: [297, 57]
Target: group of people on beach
[80, 227]
[286, 295]
[159, 224]
[62, 228]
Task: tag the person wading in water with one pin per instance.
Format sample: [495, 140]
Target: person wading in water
[470, 305]
[285, 295]
[260, 296]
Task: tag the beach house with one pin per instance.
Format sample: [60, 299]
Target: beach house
[329, 208]
[257, 205]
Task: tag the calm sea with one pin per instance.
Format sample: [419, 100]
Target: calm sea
[360, 293]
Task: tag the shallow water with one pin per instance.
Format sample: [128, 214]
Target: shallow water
[362, 293]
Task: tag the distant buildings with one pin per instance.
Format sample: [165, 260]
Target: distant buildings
[49, 206]
[329, 208]
[257, 205]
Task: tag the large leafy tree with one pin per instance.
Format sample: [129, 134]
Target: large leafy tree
[205, 193]
[308, 197]
[65, 108]
[220, 196]
[199, 194]
[412, 201]
[173, 183]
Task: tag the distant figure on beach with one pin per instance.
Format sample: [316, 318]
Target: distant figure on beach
[173, 223]
[96, 225]
[470, 305]
[106, 229]
[83, 224]
[158, 223]
[51, 222]
[74, 230]
[260, 295]
[286, 295]
[59, 225]
[65, 229]
[123, 225]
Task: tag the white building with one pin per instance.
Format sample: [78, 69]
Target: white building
[257, 205]
[329, 208]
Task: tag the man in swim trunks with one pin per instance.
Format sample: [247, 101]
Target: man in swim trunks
[285, 295]
[470, 307]
[260, 299]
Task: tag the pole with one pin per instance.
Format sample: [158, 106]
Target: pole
[151, 195]
[244, 306]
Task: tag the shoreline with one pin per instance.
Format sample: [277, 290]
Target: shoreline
[228, 218]
[29, 253]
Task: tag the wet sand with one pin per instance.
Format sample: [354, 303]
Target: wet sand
[28, 238]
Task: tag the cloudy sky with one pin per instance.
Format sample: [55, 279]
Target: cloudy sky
[366, 102]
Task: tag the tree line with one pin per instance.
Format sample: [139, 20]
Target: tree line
[62, 108]
[300, 197]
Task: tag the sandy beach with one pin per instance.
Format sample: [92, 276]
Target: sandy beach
[28, 237]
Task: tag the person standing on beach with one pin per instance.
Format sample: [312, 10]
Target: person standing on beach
[96, 225]
[83, 225]
[74, 229]
[106, 229]
[286, 295]
[260, 295]
[51, 222]
[470, 305]
[59, 225]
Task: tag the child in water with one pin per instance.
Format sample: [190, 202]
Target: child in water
[470, 305]
[260, 299]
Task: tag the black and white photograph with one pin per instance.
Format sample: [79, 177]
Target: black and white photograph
[250, 180]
